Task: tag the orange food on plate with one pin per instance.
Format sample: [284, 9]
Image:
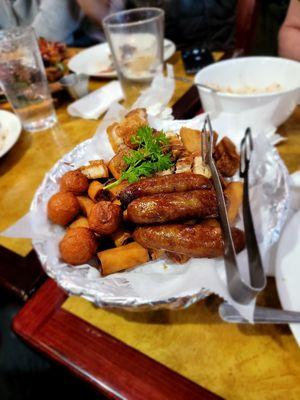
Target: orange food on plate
[78, 246]
[134, 120]
[85, 204]
[75, 182]
[226, 157]
[95, 190]
[105, 217]
[63, 207]
[80, 222]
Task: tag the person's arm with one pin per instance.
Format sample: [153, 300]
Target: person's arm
[98, 9]
[57, 19]
[94, 9]
[289, 34]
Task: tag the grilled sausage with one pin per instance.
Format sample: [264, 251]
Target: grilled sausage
[161, 207]
[164, 184]
[192, 240]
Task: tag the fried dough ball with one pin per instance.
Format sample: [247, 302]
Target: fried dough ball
[105, 217]
[63, 207]
[75, 182]
[78, 246]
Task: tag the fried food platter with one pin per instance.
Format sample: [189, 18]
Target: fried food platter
[161, 242]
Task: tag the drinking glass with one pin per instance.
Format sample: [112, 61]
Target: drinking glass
[136, 38]
[23, 78]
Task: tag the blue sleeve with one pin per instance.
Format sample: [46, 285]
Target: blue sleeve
[57, 20]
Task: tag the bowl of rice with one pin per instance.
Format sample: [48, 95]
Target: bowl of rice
[264, 90]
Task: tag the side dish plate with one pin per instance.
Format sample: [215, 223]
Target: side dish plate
[10, 130]
[96, 61]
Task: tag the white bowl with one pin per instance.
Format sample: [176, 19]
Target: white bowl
[265, 109]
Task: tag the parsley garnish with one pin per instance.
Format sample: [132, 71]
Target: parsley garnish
[150, 156]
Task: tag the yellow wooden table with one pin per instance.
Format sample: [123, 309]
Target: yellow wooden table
[23, 168]
[234, 361]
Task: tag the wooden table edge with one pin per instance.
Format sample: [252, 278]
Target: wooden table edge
[111, 366]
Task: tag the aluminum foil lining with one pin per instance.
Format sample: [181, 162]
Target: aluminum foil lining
[159, 284]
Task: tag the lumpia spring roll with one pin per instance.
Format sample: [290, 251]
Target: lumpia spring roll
[80, 222]
[95, 190]
[121, 237]
[123, 257]
[85, 204]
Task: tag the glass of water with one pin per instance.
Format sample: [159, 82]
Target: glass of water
[23, 79]
[136, 39]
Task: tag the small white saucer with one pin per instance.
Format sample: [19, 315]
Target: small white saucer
[10, 130]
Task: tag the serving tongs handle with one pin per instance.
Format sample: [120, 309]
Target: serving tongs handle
[256, 270]
[238, 289]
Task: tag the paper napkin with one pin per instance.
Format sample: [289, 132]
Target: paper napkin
[97, 102]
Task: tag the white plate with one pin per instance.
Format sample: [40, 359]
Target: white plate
[10, 127]
[288, 269]
[97, 58]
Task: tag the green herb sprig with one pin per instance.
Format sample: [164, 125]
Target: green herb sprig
[150, 156]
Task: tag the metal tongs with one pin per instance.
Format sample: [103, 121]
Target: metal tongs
[239, 290]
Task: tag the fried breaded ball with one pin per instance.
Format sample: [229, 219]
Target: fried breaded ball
[75, 182]
[105, 217]
[78, 246]
[63, 207]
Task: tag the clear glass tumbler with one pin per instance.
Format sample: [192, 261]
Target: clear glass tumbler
[136, 39]
[23, 78]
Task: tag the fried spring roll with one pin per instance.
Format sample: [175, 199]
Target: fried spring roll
[192, 240]
[85, 204]
[95, 190]
[117, 164]
[123, 257]
[116, 190]
[80, 222]
[121, 237]
[164, 184]
[156, 254]
[177, 258]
